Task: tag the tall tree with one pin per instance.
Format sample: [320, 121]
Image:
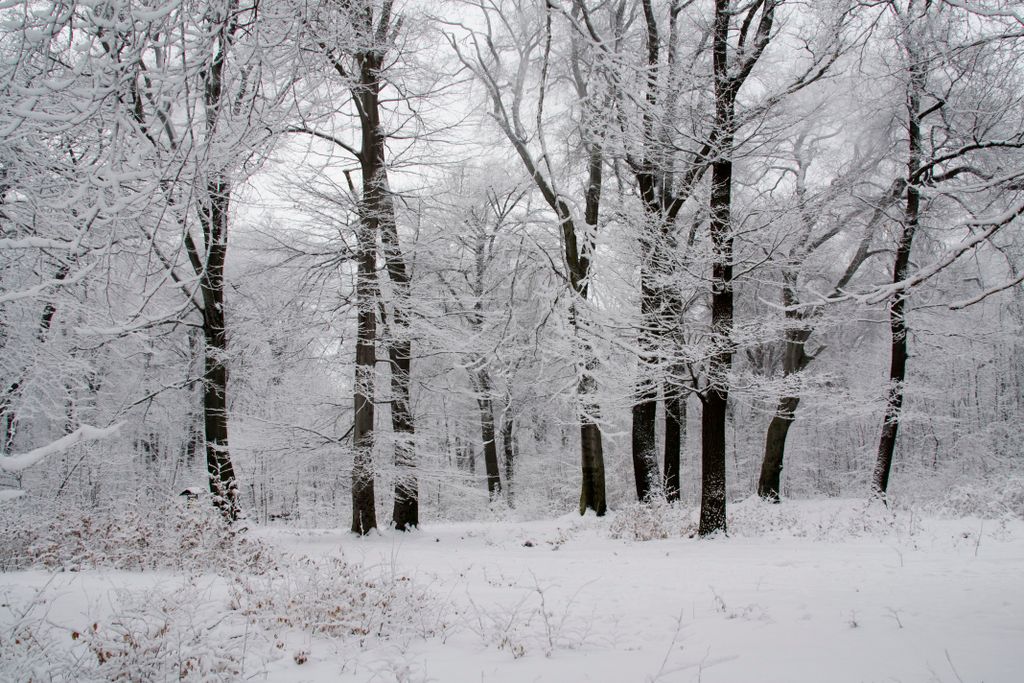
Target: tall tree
[945, 142]
[182, 87]
[820, 217]
[728, 79]
[507, 76]
[360, 40]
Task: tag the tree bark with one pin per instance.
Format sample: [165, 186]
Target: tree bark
[508, 445]
[675, 436]
[645, 453]
[373, 209]
[490, 446]
[769, 483]
[794, 360]
[592, 490]
[713, 416]
[213, 217]
[378, 217]
[901, 267]
[577, 242]
[364, 516]
[405, 513]
[592, 493]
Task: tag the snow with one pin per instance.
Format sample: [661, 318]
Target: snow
[902, 599]
[10, 494]
[17, 463]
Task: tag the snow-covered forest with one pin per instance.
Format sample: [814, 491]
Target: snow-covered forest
[324, 322]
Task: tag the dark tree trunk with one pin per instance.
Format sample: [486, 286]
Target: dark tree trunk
[651, 343]
[214, 218]
[712, 496]
[713, 415]
[364, 515]
[675, 436]
[209, 264]
[768, 485]
[508, 445]
[727, 83]
[901, 267]
[645, 449]
[405, 513]
[659, 312]
[373, 209]
[490, 447]
[378, 217]
[592, 494]
[592, 489]
[11, 395]
[794, 360]
[578, 246]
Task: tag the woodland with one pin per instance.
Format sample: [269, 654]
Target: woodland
[683, 269]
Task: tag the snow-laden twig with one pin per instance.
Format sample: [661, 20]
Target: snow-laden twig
[17, 463]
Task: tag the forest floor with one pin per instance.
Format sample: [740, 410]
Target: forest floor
[805, 591]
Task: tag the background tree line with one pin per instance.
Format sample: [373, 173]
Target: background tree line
[510, 253]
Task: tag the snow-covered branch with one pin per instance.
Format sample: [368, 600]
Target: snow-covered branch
[85, 433]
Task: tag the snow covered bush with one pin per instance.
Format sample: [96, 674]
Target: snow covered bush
[165, 636]
[336, 599]
[129, 535]
[182, 634]
[832, 519]
[653, 520]
[994, 497]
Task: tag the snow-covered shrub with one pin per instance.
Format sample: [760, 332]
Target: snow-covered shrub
[26, 652]
[825, 519]
[182, 634]
[653, 520]
[945, 496]
[129, 535]
[165, 636]
[334, 598]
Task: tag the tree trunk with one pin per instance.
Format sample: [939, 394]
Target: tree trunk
[379, 216]
[490, 447]
[214, 219]
[364, 515]
[713, 417]
[592, 494]
[901, 266]
[768, 485]
[592, 490]
[9, 399]
[374, 209]
[675, 436]
[213, 216]
[405, 513]
[508, 445]
[645, 399]
[645, 453]
[794, 360]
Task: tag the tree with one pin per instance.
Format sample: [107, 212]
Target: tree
[650, 140]
[172, 96]
[818, 224]
[946, 142]
[507, 76]
[359, 40]
[486, 208]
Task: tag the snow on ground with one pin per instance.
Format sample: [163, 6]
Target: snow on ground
[799, 592]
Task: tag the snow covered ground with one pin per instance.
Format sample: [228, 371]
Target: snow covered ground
[823, 591]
